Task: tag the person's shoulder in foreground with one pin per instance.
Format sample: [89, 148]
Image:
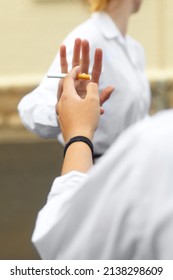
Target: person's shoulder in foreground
[121, 209]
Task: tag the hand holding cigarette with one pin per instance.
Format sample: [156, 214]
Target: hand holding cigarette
[81, 59]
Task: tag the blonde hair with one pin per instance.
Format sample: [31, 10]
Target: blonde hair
[98, 5]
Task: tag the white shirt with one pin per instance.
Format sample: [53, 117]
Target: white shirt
[123, 208]
[123, 67]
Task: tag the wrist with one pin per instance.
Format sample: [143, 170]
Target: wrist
[78, 157]
[83, 133]
[80, 138]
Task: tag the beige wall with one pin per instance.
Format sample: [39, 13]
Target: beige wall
[31, 31]
[152, 26]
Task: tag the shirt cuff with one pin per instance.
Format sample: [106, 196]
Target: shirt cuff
[68, 182]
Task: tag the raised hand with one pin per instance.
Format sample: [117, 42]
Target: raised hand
[81, 57]
[76, 115]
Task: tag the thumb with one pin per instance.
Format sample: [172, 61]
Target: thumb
[74, 72]
[68, 83]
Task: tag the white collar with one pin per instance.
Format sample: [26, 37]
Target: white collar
[106, 25]
[110, 31]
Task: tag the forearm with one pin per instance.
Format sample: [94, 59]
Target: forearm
[78, 157]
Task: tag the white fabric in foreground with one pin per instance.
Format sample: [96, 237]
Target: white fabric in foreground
[123, 209]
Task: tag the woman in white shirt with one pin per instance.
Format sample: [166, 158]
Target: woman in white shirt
[123, 64]
[120, 209]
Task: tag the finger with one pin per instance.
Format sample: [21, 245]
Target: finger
[105, 94]
[68, 82]
[63, 59]
[85, 56]
[97, 67]
[76, 53]
[101, 111]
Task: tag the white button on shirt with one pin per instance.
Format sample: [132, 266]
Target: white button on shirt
[123, 68]
[121, 209]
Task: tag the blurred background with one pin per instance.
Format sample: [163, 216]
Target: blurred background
[31, 32]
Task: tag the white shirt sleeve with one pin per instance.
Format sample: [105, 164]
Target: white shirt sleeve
[37, 108]
[37, 115]
[58, 202]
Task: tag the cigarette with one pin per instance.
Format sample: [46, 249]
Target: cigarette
[83, 76]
